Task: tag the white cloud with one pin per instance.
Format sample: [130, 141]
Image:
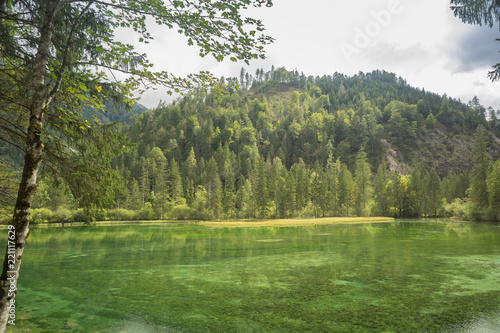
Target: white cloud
[421, 41]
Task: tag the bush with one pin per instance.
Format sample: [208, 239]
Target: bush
[181, 212]
[309, 210]
[456, 208]
[41, 215]
[472, 212]
[147, 212]
[490, 214]
[99, 215]
[121, 214]
[195, 214]
[79, 215]
[62, 215]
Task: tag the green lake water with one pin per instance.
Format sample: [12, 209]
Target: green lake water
[406, 276]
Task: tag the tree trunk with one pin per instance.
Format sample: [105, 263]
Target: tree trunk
[19, 228]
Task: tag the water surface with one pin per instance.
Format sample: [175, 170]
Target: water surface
[407, 276]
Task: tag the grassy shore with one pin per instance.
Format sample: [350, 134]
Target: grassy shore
[297, 222]
[233, 223]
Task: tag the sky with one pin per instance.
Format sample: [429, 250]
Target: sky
[421, 41]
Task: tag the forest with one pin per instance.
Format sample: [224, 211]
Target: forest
[280, 144]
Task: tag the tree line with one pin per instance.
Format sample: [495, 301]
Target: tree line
[278, 148]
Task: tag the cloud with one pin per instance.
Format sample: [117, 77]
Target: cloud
[423, 42]
[390, 55]
[475, 49]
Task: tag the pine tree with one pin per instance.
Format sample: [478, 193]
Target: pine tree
[161, 185]
[248, 199]
[493, 184]
[276, 184]
[291, 194]
[481, 162]
[144, 180]
[332, 175]
[345, 188]
[261, 189]
[213, 187]
[362, 180]
[158, 169]
[380, 192]
[398, 189]
[240, 195]
[315, 185]
[190, 169]
[417, 189]
[175, 182]
[302, 183]
[136, 201]
[433, 186]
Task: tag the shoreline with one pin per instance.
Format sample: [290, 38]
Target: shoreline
[252, 223]
[297, 222]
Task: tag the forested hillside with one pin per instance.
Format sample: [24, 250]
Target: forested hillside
[288, 145]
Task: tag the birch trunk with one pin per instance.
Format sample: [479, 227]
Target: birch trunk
[19, 228]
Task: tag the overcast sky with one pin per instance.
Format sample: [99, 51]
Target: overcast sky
[420, 41]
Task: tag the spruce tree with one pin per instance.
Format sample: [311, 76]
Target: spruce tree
[363, 179]
[493, 184]
[480, 162]
[380, 191]
[433, 186]
[175, 182]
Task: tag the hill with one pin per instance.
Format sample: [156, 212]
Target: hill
[289, 145]
[291, 116]
[284, 131]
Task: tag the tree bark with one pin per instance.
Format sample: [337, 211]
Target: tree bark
[27, 188]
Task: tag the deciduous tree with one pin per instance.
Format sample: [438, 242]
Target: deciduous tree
[56, 56]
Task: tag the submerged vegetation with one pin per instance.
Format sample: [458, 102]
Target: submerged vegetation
[409, 276]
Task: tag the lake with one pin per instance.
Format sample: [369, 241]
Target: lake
[405, 276]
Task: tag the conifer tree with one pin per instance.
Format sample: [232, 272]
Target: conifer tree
[362, 179]
[417, 188]
[190, 168]
[433, 186]
[493, 183]
[276, 184]
[213, 187]
[175, 182]
[346, 188]
[261, 188]
[315, 186]
[161, 185]
[481, 162]
[144, 180]
[332, 175]
[240, 194]
[398, 187]
[290, 195]
[135, 196]
[302, 184]
[380, 191]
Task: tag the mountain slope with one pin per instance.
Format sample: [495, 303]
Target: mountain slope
[290, 145]
[310, 118]
[287, 145]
